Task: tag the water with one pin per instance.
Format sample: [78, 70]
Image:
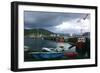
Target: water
[36, 53]
[38, 44]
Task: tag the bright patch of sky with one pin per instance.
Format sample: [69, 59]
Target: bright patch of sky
[72, 27]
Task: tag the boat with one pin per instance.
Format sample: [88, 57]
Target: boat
[52, 53]
[71, 54]
[26, 48]
[47, 55]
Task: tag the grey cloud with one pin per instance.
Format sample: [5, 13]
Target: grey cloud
[36, 19]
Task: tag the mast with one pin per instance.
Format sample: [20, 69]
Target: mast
[83, 18]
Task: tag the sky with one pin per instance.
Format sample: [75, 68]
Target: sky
[57, 22]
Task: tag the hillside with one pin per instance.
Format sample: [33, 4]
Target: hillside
[37, 31]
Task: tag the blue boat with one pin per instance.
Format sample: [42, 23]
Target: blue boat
[47, 55]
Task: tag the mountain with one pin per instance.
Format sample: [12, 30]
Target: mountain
[37, 31]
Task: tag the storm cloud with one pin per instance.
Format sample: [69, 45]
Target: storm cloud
[54, 21]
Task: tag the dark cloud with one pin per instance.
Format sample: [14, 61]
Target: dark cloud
[35, 19]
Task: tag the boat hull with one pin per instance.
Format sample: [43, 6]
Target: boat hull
[48, 55]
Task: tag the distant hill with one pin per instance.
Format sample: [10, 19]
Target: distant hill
[37, 31]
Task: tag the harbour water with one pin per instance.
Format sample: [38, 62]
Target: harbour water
[33, 50]
[38, 44]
